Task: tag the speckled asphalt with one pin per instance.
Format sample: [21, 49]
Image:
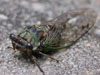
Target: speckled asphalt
[81, 59]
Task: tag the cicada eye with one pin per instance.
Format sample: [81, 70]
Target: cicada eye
[14, 38]
[29, 45]
[11, 36]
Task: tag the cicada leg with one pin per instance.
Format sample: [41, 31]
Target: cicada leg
[49, 56]
[12, 47]
[56, 49]
[34, 60]
[29, 53]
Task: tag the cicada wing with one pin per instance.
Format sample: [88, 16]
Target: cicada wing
[70, 26]
[77, 26]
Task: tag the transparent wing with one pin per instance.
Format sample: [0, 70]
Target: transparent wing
[70, 26]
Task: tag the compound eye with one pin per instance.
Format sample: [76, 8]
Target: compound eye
[14, 38]
[29, 45]
[11, 36]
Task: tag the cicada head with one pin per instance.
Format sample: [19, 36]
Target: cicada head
[19, 43]
[28, 39]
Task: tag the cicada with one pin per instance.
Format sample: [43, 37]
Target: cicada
[53, 35]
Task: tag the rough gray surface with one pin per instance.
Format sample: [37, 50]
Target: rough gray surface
[81, 59]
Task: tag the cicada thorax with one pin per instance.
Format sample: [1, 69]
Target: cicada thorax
[35, 34]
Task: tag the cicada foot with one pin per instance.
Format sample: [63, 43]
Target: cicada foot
[49, 57]
[34, 61]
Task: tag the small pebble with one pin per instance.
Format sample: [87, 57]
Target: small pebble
[88, 45]
[3, 17]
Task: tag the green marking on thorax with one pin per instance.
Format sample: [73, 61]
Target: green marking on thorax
[22, 34]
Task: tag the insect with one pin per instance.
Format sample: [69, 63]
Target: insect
[59, 33]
